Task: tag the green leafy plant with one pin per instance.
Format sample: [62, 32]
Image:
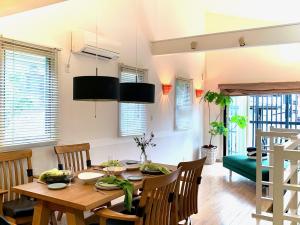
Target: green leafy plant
[217, 127]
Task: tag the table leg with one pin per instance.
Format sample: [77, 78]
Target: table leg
[75, 217]
[41, 214]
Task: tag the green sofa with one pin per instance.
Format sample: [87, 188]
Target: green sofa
[246, 167]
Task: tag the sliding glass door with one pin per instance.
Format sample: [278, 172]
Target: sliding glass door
[263, 111]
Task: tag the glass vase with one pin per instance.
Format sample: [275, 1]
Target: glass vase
[143, 157]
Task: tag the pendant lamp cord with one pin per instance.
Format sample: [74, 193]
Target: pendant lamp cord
[96, 57]
[136, 41]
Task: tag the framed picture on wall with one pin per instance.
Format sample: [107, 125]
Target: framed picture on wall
[183, 103]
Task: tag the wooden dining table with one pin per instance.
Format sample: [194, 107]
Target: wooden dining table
[73, 200]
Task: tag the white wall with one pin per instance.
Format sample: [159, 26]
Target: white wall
[116, 19]
[244, 65]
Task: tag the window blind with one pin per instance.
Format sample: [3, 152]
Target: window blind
[28, 94]
[132, 116]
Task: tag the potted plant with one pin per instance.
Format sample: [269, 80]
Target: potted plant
[142, 143]
[217, 127]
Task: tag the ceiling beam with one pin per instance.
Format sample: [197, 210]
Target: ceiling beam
[9, 7]
[273, 35]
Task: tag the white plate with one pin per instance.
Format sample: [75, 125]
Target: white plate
[135, 178]
[89, 177]
[57, 186]
[116, 170]
[133, 166]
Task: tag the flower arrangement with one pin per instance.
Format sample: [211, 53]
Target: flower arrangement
[142, 143]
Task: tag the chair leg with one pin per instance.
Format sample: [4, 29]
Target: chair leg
[59, 216]
[53, 220]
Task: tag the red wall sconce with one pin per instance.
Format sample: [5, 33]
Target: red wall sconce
[166, 88]
[198, 92]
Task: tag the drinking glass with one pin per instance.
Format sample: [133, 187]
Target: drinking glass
[110, 169]
[71, 174]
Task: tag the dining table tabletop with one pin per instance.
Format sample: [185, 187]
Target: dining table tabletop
[76, 198]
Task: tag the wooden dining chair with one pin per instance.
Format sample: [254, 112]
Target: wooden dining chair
[16, 169]
[190, 180]
[76, 156]
[157, 201]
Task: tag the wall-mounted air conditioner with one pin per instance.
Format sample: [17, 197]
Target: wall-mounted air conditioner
[84, 43]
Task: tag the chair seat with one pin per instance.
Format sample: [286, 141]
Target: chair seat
[19, 208]
[120, 207]
[116, 222]
[3, 221]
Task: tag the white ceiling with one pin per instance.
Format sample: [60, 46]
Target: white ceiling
[282, 11]
[177, 18]
[8, 7]
[180, 18]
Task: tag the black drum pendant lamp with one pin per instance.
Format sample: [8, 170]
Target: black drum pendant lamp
[95, 88]
[137, 92]
[134, 92]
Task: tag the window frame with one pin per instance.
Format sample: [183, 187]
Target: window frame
[145, 72]
[51, 66]
[287, 108]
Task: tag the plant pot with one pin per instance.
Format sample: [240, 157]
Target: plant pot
[210, 153]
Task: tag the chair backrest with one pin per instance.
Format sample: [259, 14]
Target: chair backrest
[73, 156]
[158, 198]
[190, 179]
[15, 169]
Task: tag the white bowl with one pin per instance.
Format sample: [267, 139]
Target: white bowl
[89, 177]
[133, 166]
[115, 170]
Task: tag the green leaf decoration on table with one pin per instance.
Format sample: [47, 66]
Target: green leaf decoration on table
[154, 167]
[52, 173]
[111, 163]
[125, 185]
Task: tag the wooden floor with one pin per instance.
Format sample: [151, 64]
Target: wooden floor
[223, 201]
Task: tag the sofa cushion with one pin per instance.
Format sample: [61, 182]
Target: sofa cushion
[244, 166]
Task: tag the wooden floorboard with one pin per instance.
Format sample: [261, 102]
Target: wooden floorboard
[223, 201]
